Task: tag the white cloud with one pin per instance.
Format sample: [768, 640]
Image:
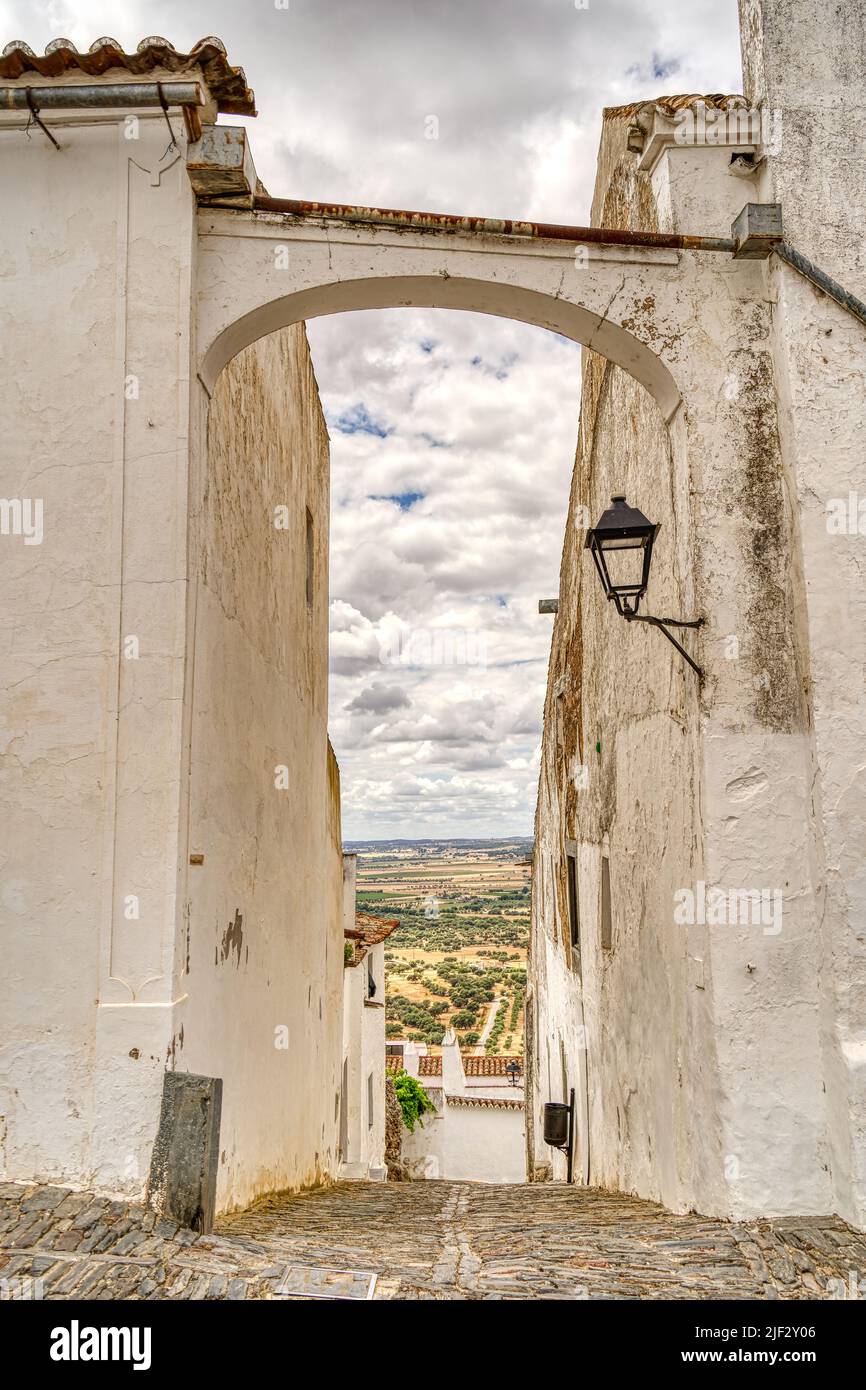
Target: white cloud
[378, 699]
[440, 593]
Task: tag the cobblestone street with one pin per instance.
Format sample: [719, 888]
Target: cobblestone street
[426, 1240]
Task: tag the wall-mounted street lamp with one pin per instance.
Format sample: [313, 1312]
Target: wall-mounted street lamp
[622, 547]
[512, 1070]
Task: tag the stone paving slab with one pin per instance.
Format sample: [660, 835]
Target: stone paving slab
[424, 1240]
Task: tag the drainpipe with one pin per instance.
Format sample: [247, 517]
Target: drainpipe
[93, 96]
[488, 226]
[821, 281]
[117, 94]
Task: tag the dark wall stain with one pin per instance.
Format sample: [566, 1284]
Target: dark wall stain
[761, 504]
[175, 1046]
[233, 939]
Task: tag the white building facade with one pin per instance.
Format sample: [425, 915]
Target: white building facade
[362, 1094]
[170, 870]
[698, 971]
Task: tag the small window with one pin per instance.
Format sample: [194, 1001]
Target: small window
[370, 1101]
[606, 917]
[573, 908]
[311, 555]
[371, 983]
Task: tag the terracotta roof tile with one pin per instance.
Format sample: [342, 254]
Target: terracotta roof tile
[670, 105]
[374, 929]
[490, 1066]
[227, 85]
[486, 1102]
[472, 1065]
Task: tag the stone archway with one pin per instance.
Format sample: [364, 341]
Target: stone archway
[257, 272]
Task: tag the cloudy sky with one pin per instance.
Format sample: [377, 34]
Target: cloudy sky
[452, 435]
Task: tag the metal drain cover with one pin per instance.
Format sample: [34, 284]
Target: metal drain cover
[317, 1281]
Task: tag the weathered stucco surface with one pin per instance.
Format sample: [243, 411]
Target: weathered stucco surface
[264, 910]
[620, 777]
[157, 672]
[95, 258]
[362, 1096]
[467, 1142]
[719, 1066]
[807, 63]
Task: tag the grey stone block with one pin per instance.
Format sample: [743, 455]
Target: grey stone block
[183, 1167]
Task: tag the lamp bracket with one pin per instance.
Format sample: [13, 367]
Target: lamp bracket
[662, 624]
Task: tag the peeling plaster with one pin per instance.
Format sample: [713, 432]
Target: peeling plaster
[233, 939]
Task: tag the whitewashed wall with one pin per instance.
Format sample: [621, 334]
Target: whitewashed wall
[363, 1059]
[264, 968]
[723, 1066]
[161, 661]
[685, 1058]
[95, 404]
[619, 776]
[424, 1150]
[484, 1144]
[467, 1143]
[805, 63]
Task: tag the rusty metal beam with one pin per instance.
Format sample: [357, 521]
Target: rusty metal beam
[768, 240]
[487, 226]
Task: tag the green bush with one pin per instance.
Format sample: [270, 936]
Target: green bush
[414, 1100]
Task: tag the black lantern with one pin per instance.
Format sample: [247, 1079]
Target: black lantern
[622, 547]
[512, 1070]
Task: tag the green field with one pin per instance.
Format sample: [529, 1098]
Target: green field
[462, 940]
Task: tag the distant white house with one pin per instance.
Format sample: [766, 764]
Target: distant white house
[362, 1092]
[476, 1132]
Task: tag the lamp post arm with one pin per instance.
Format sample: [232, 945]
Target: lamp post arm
[676, 622]
[660, 623]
